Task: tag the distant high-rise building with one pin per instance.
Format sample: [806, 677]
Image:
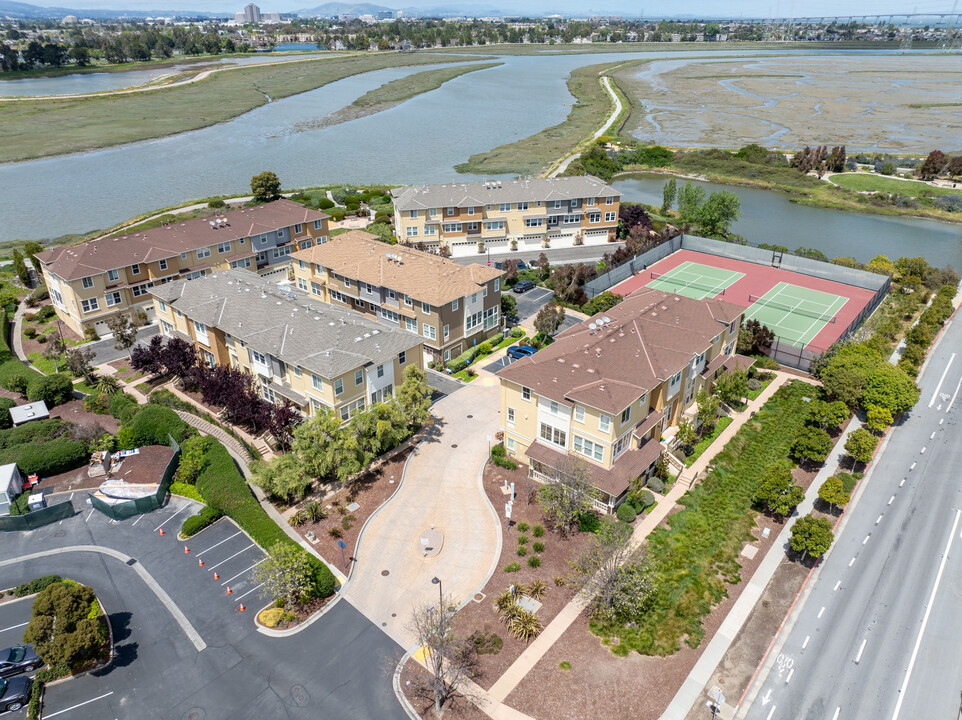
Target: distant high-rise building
[252, 13]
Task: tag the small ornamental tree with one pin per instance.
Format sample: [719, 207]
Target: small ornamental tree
[707, 410]
[509, 306]
[449, 658]
[812, 445]
[932, 165]
[832, 492]
[124, 331]
[732, 387]
[827, 415]
[148, 358]
[778, 493]
[891, 388]
[78, 361]
[285, 573]
[414, 396]
[20, 267]
[178, 357]
[861, 445]
[811, 536]
[568, 494]
[669, 192]
[61, 628]
[266, 186]
[754, 337]
[549, 319]
[877, 418]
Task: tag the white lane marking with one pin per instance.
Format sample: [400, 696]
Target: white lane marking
[74, 707]
[231, 557]
[941, 420]
[912, 466]
[837, 586]
[954, 395]
[771, 712]
[244, 571]
[932, 436]
[204, 552]
[866, 539]
[768, 698]
[71, 496]
[879, 520]
[247, 593]
[805, 644]
[821, 611]
[789, 678]
[891, 499]
[14, 627]
[852, 561]
[837, 711]
[88, 516]
[925, 618]
[139, 518]
[861, 650]
[941, 380]
[170, 518]
[922, 451]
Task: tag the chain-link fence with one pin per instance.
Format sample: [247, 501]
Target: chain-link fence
[37, 518]
[632, 267]
[128, 508]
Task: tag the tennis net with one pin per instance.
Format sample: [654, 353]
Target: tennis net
[677, 283]
[794, 309]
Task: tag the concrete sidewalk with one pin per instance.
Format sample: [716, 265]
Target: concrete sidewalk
[441, 489]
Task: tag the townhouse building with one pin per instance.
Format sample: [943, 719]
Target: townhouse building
[313, 354]
[502, 216]
[607, 389]
[94, 281]
[450, 306]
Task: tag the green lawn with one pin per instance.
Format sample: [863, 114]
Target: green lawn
[708, 439]
[696, 558]
[47, 367]
[870, 182]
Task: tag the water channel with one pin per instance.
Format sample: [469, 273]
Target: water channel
[416, 142]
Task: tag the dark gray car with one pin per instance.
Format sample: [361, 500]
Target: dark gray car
[15, 693]
[18, 659]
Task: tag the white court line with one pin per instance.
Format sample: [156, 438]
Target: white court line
[954, 395]
[231, 557]
[204, 552]
[247, 593]
[14, 627]
[244, 571]
[925, 618]
[74, 707]
[941, 380]
[170, 518]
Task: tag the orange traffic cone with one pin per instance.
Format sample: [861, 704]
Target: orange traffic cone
[200, 562]
[186, 549]
[216, 576]
[242, 608]
[229, 591]
[161, 532]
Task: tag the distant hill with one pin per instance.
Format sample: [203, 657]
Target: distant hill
[337, 8]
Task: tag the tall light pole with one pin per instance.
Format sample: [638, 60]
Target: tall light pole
[437, 581]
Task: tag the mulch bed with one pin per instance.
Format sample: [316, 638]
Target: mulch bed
[74, 412]
[413, 681]
[481, 616]
[31, 345]
[370, 491]
[303, 611]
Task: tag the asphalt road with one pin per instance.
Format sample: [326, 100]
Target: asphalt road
[879, 634]
[334, 668]
[104, 350]
[557, 256]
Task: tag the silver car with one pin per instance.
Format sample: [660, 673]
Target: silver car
[18, 659]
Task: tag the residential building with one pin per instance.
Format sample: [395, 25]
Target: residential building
[607, 389]
[502, 216]
[94, 281]
[297, 348]
[450, 306]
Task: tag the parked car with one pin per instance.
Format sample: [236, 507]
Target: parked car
[523, 286]
[18, 659]
[521, 351]
[15, 693]
[520, 265]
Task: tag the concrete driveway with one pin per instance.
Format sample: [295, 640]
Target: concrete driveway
[441, 490]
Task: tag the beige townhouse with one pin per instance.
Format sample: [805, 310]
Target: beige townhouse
[607, 389]
[94, 281]
[296, 347]
[451, 306]
[503, 216]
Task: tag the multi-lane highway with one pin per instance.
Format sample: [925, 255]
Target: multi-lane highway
[878, 633]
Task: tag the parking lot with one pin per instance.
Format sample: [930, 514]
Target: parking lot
[529, 303]
[183, 647]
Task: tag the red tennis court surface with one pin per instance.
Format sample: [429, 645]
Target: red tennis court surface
[758, 280]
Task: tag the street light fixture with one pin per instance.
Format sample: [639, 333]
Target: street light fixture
[437, 581]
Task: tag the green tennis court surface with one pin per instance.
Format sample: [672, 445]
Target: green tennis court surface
[695, 281]
[795, 314]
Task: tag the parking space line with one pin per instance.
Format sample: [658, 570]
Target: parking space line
[74, 707]
[204, 552]
[170, 518]
[247, 593]
[231, 557]
[244, 571]
[14, 627]
[139, 518]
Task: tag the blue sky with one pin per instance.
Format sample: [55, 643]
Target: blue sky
[660, 8]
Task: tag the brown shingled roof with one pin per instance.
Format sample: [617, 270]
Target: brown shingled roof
[428, 278]
[97, 256]
[648, 337]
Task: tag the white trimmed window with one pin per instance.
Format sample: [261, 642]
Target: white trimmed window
[139, 290]
[580, 413]
[604, 423]
[533, 222]
[402, 357]
[620, 446]
[163, 264]
[135, 269]
[432, 212]
[504, 207]
[589, 201]
[282, 251]
[497, 285]
[554, 435]
[522, 206]
[429, 331]
[243, 263]
[447, 332]
[525, 393]
[425, 308]
[450, 211]
[351, 409]
[316, 289]
[473, 321]
[594, 217]
[409, 301]
[87, 282]
[390, 315]
[208, 357]
[494, 225]
[112, 276]
[626, 415]
[317, 382]
[411, 231]
[430, 229]
[318, 224]
[510, 417]
[302, 284]
[305, 244]
[412, 214]
[223, 247]
[584, 446]
[89, 305]
[203, 253]
[611, 216]
[358, 377]
[113, 298]
[610, 200]
[509, 444]
[411, 324]
[338, 386]
[452, 227]
[454, 304]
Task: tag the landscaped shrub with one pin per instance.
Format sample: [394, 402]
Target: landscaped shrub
[153, 423]
[16, 377]
[52, 389]
[538, 530]
[195, 523]
[325, 203]
[512, 567]
[30, 332]
[537, 546]
[97, 403]
[626, 513]
[655, 484]
[48, 458]
[523, 526]
[522, 550]
[5, 404]
[122, 406]
[185, 490]
[522, 539]
[44, 314]
[40, 294]
[32, 432]
[534, 561]
[500, 458]
[35, 585]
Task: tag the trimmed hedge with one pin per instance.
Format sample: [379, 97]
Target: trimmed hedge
[123, 406]
[48, 458]
[36, 585]
[37, 431]
[52, 389]
[5, 420]
[153, 423]
[195, 523]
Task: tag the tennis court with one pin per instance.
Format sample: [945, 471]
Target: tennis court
[694, 280]
[795, 314]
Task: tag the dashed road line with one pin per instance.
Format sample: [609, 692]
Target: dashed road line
[861, 650]
[837, 586]
[891, 499]
[820, 612]
[902, 483]
[922, 451]
[852, 561]
[878, 520]
[837, 711]
[789, 678]
[866, 539]
[770, 713]
[805, 644]
[941, 380]
[912, 466]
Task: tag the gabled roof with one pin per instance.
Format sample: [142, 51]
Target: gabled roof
[280, 321]
[499, 191]
[425, 277]
[71, 262]
[637, 345]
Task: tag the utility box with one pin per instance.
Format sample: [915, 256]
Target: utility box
[36, 502]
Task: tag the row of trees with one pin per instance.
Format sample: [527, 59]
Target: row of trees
[819, 160]
[713, 214]
[938, 163]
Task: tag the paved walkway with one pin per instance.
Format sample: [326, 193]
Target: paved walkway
[563, 164]
[441, 489]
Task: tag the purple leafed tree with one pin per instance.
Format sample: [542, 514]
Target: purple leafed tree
[148, 358]
[178, 357]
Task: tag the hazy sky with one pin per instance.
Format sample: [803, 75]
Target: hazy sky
[658, 8]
